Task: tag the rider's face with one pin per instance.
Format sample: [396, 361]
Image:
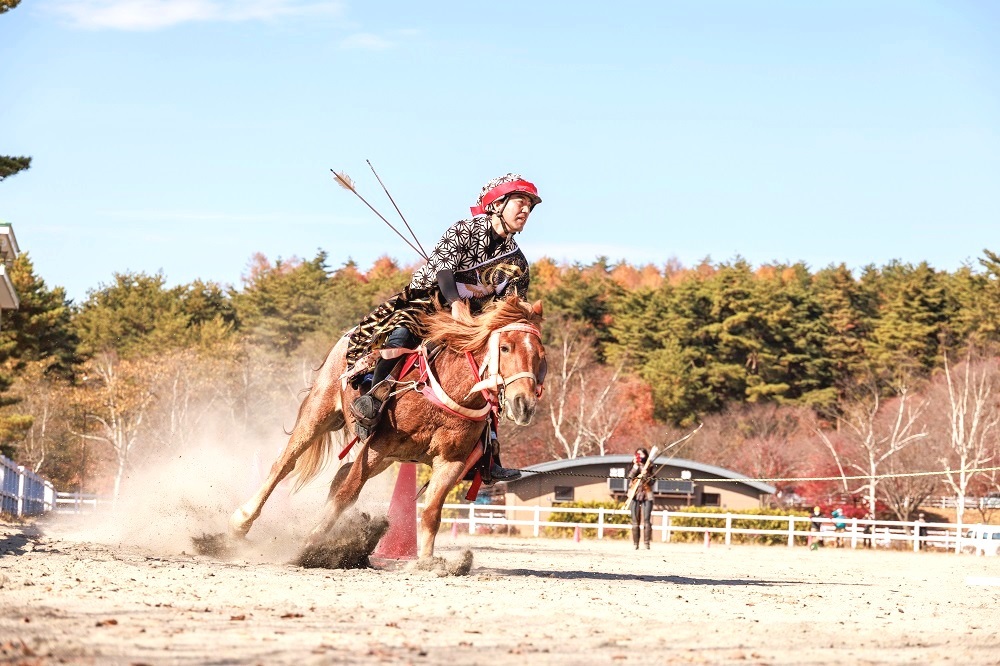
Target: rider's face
[515, 213]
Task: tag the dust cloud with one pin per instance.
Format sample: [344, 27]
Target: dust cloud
[166, 507]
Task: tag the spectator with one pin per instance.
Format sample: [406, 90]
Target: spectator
[815, 523]
[642, 500]
[839, 524]
[921, 530]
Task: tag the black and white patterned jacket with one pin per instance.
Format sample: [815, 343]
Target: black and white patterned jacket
[486, 265]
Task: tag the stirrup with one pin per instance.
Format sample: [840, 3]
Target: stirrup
[366, 409]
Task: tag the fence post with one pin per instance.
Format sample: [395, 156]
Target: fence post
[20, 490]
[600, 522]
[538, 516]
[472, 519]
[729, 528]
[666, 526]
[916, 536]
[791, 531]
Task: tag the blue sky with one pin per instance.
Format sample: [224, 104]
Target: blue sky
[186, 135]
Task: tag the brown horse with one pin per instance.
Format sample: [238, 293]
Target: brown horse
[505, 347]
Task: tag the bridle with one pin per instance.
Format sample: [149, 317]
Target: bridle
[489, 372]
[490, 382]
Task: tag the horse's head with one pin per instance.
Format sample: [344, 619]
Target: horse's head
[520, 366]
[513, 366]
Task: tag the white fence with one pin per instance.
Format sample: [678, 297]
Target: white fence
[855, 533]
[81, 502]
[22, 492]
[991, 501]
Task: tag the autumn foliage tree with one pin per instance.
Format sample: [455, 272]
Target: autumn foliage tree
[764, 355]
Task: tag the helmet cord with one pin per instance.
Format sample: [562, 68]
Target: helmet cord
[503, 223]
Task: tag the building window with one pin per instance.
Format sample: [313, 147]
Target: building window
[711, 499]
[618, 485]
[563, 494]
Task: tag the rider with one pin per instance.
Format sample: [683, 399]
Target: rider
[476, 260]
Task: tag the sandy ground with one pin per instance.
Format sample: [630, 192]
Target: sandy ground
[548, 601]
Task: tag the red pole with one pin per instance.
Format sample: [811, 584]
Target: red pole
[400, 541]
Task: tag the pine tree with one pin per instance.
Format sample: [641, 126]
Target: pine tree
[283, 303]
[134, 315]
[38, 332]
[976, 297]
[848, 313]
[41, 328]
[913, 316]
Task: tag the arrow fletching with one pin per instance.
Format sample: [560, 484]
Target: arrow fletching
[344, 181]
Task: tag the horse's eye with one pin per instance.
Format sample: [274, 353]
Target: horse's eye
[505, 349]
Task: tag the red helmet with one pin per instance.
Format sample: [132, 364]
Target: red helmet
[503, 186]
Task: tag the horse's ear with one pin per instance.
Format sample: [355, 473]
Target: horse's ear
[536, 307]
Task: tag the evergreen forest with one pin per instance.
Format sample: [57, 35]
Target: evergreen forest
[794, 372]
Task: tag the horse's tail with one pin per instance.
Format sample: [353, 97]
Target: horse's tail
[321, 448]
[316, 457]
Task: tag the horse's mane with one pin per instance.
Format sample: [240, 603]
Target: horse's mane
[465, 332]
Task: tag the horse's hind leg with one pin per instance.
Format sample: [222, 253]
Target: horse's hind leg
[345, 490]
[320, 413]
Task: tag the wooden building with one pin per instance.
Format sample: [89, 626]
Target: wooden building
[602, 478]
[8, 252]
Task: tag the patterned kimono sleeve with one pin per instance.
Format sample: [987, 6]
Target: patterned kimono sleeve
[446, 255]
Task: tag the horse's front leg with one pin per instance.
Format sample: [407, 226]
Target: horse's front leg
[444, 475]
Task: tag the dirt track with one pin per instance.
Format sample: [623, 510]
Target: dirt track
[64, 601]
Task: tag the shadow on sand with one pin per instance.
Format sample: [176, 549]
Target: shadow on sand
[671, 580]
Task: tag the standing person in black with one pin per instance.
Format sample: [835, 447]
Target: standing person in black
[642, 502]
[815, 525]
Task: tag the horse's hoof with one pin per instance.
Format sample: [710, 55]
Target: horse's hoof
[239, 523]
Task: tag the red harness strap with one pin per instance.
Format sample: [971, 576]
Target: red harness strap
[347, 449]
[477, 480]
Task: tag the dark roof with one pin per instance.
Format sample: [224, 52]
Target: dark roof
[625, 459]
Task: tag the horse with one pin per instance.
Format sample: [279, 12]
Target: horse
[493, 361]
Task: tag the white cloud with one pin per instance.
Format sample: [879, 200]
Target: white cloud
[366, 41]
[156, 14]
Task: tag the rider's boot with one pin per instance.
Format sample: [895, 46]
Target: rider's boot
[367, 408]
[494, 470]
[635, 536]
